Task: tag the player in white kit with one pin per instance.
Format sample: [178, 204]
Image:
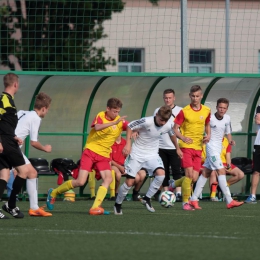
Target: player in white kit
[144, 154]
[220, 125]
[28, 125]
[167, 150]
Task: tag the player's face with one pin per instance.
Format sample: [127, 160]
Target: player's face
[196, 97]
[44, 111]
[160, 121]
[169, 99]
[112, 113]
[222, 109]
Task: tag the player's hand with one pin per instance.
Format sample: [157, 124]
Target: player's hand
[127, 149]
[18, 140]
[206, 139]
[134, 135]
[179, 152]
[122, 118]
[1, 148]
[228, 168]
[232, 142]
[47, 148]
[187, 140]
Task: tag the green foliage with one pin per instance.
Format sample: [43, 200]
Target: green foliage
[57, 35]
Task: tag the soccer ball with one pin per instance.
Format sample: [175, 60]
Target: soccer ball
[167, 199]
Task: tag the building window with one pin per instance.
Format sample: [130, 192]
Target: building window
[130, 60]
[201, 61]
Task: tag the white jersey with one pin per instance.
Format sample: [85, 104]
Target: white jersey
[165, 142]
[219, 127]
[257, 139]
[28, 124]
[147, 143]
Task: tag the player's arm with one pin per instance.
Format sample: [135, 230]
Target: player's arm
[207, 135]
[127, 148]
[179, 119]
[99, 127]
[120, 167]
[37, 145]
[230, 141]
[175, 142]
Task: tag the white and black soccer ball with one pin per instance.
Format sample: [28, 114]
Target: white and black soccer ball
[167, 199]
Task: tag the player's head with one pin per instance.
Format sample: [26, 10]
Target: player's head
[196, 94]
[114, 106]
[222, 106]
[169, 97]
[42, 104]
[163, 115]
[11, 80]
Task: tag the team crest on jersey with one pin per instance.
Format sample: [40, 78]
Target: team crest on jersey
[114, 127]
[201, 117]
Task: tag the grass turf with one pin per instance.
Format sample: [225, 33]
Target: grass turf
[211, 233]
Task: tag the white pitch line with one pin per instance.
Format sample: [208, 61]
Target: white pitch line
[26, 231]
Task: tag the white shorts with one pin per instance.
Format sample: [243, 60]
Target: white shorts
[26, 159]
[213, 162]
[132, 165]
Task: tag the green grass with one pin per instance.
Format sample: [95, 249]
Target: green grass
[211, 233]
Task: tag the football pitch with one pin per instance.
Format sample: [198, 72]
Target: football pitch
[211, 233]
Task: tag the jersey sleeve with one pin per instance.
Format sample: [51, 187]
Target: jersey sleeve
[97, 120]
[179, 119]
[229, 149]
[228, 129]
[125, 124]
[137, 124]
[207, 119]
[34, 130]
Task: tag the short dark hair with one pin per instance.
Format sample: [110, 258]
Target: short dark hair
[114, 103]
[165, 112]
[223, 100]
[10, 79]
[168, 91]
[195, 88]
[42, 100]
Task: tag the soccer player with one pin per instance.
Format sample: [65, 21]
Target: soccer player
[256, 162]
[144, 154]
[193, 122]
[220, 125]
[167, 150]
[10, 152]
[117, 164]
[106, 127]
[28, 125]
[231, 169]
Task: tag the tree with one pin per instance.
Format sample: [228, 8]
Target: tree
[56, 35]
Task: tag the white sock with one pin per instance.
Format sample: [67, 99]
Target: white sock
[199, 187]
[154, 186]
[31, 185]
[222, 182]
[253, 195]
[228, 191]
[123, 190]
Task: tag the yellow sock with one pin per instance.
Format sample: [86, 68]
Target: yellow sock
[92, 183]
[62, 188]
[213, 194]
[186, 189]
[112, 185]
[178, 183]
[101, 194]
